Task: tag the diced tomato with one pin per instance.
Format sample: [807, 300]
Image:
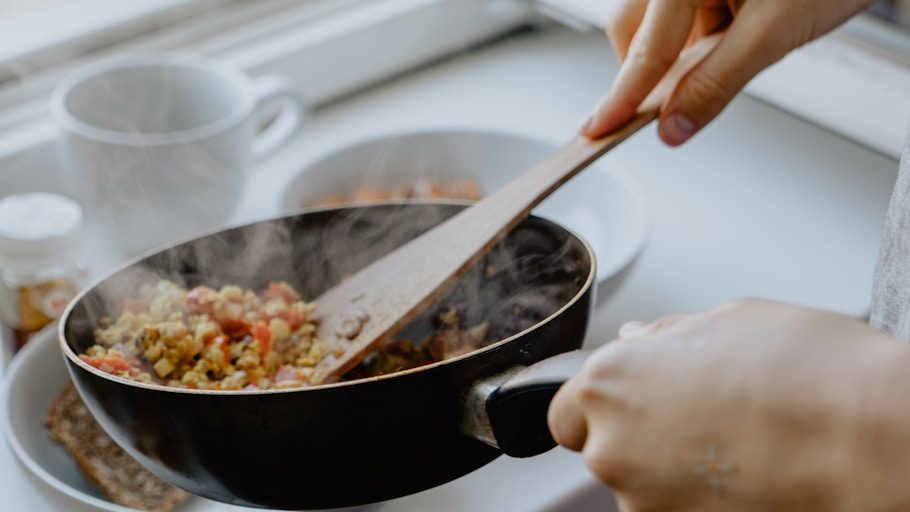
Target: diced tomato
[234, 328]
[293, 317]
[208, 338]
[200, 299]
[221, 342]
[134, 306]
[107, 364]
[279, 291]
[263, 335]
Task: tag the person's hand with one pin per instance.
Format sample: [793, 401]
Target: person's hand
[648, 36]
[752, 406]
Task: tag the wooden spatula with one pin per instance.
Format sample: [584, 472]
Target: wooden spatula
[364, 310]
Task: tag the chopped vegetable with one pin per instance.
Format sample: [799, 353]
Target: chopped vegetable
[233, 339]
[108, 364]
[211, 339]
[263, 336]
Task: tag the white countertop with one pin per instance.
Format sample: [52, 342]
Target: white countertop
[762, 204]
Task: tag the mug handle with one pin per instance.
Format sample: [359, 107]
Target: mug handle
[290, 116]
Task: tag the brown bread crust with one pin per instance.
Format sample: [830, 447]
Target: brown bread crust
[118, 476]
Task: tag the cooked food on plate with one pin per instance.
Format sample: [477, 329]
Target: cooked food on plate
[421, 189]
[232, 339]
[117, 475]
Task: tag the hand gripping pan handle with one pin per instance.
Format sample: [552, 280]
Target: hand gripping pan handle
[509, 410]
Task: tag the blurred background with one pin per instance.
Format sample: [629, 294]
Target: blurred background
[782, 197]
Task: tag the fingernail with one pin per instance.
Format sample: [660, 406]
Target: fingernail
[678, 129]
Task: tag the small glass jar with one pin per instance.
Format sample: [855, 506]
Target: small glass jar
[41, 267]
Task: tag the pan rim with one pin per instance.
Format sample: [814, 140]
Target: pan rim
[73, 358]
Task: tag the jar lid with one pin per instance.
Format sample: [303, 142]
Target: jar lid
[38, 228]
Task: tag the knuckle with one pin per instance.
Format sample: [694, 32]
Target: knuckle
[771, 36]
[776, 46]
[644, 52]
[589, 390]
[601, 383]
[667, 322]
[589, 394]
[593, 387]
[606, 461]
[607, 362]
[703, 92]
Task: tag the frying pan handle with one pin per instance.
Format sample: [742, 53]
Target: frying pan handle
[513, 415]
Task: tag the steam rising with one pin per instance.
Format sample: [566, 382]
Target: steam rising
[522, 281]
[157, 154]
[146, 193]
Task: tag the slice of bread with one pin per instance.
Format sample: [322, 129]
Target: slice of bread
[119, 477]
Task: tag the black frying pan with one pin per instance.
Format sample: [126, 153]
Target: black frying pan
[366, 440]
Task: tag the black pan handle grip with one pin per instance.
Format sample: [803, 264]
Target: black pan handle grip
[517, 409]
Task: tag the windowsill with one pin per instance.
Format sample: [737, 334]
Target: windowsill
[41, 32]
[328, 47]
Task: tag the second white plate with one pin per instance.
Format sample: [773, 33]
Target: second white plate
[606, 207]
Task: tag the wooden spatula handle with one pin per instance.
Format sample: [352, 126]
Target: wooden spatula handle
[518, 198]
[376, 302]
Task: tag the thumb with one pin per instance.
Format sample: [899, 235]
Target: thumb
[748, 47]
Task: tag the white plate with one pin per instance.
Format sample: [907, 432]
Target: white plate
[606, 207]
[34, 378]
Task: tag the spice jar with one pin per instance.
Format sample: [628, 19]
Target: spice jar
[40, 264]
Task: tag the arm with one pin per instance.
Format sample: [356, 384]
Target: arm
[752, 406]
[648, 36]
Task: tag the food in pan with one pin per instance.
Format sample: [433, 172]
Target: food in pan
[233, 339]
[117, 475]
[421, 189]
[211, 339]
[449, 338]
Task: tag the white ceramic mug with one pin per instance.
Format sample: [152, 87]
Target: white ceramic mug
[157, 146]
